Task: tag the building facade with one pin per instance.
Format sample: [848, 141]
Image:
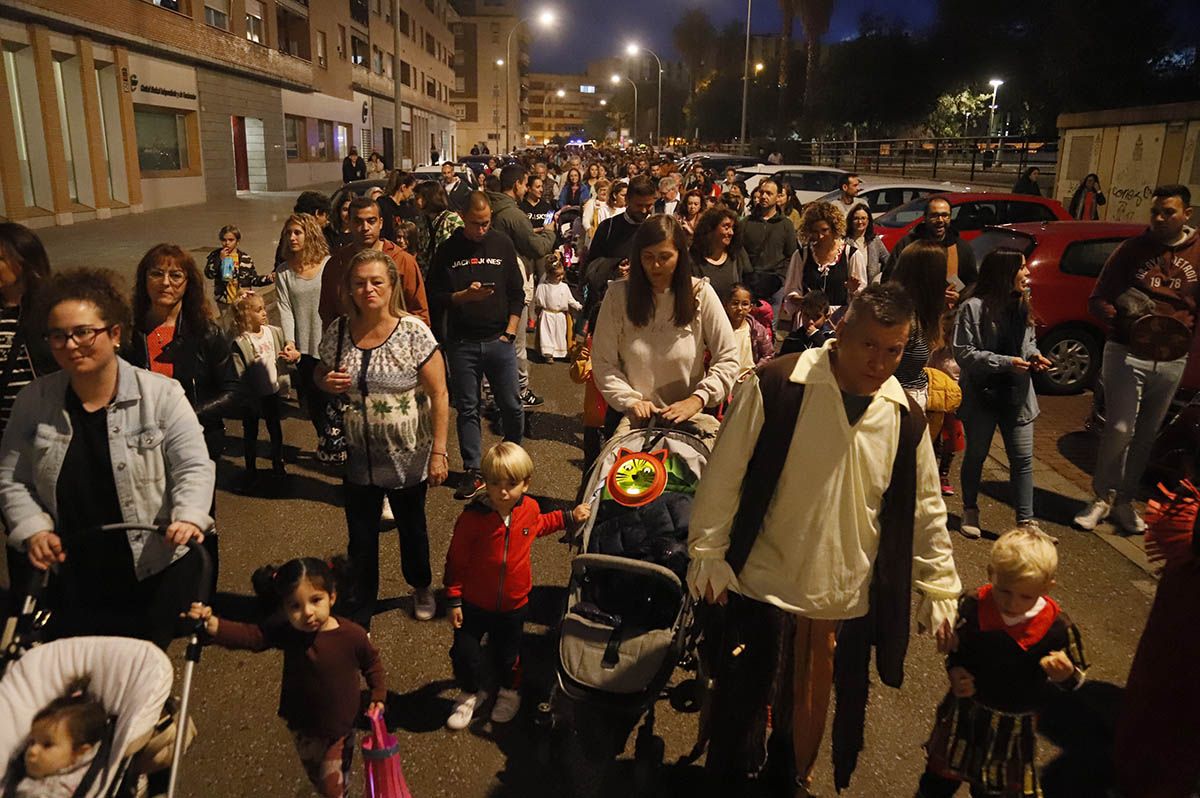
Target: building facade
[129, 105]
[491, 97]
[553, 116]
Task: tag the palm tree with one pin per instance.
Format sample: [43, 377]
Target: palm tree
[694, 38]
[815, 15]
[788, 9]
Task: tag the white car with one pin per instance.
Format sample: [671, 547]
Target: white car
[884, 196]
[809, 182]
[434, 172]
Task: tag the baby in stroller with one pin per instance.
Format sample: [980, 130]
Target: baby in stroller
[62, 743]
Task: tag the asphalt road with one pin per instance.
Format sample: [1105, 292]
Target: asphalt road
[243, 750]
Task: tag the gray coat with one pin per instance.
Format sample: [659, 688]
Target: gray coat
[978, 333]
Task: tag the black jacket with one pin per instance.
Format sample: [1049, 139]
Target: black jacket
[968, 271]
[611, 244]
[459, 261]
[356, 170]
[458, 197]
[202, 366]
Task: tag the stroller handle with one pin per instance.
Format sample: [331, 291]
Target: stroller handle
[204, 583]
[609, 562]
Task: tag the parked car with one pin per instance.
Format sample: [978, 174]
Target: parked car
[970, 212]
[887, 195]
[355, 188]
[717, 162]
[1064, 259]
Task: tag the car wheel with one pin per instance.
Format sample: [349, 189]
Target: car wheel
[1075, 357]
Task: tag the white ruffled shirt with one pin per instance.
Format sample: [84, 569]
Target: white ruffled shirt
[816, 552]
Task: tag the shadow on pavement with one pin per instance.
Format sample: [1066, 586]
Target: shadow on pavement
[1079, 448]
[1082, 723]
[1047, 505]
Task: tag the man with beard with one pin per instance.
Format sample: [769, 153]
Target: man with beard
[936, 227]
[611, 247]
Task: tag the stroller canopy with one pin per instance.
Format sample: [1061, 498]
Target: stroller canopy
[132, 678]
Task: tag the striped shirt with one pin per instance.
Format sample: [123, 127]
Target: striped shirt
[21, 373]
[911, 371]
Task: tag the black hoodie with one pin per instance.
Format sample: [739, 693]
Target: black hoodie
[968, 271]
[458, 263]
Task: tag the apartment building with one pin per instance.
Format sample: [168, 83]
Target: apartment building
[491, 96]
[559, 105]
[122, 106]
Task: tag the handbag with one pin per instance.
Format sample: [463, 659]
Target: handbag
[331, 439]
[383, 774]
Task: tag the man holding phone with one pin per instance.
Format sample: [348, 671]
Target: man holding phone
[475, 285]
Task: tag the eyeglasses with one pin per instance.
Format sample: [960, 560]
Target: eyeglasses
[82, 336]
[173, 277]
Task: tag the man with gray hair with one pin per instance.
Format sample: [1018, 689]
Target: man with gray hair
[668, 196]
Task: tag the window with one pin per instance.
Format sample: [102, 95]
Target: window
[405, 23]
[293, 32]
[1027, 212]
[342, 141]
[359, 51]
[216, 13]
[378, 7]
[256, 30]
[171, 5]
[323, 149]
[406, 73]
[293, 134]
[376, 60]
[975, 215]
[1086, 258]
[342, 42]
[162, 139]
[322, 59]
[431, 87]
[586, 89]
[360, 12]
[430, 44]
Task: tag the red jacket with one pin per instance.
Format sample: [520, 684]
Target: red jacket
[488, 563]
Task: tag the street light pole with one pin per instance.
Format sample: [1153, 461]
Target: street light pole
[995, 83]
[746, 76]
[546, 119]
[633, 49]
[617, 79]
[496, 94]
[546, 18]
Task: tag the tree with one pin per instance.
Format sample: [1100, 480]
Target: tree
[694, 37]
[597, 124]
[815, 15]
[952, 112]
[788, 9]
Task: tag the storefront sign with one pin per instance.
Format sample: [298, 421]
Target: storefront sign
[149, 88]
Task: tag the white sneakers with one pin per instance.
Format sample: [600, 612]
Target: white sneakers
[1127, 519]
[1089, 517]
[464, 710]
[508, 703]
[387, 515]
[424, 604]
[970, 524]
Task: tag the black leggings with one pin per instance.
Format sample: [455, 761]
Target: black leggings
[503, 630]
[268, 409]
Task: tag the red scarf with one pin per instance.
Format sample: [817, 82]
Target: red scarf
[1028, 632]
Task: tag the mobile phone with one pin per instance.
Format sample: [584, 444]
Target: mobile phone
[955, 283]
[487, 285]
[549, 217]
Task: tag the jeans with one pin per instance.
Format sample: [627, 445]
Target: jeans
[470, 361]
[364, 508]
[503, 630]
[522, 349]
[1137, 395]
[979, 426]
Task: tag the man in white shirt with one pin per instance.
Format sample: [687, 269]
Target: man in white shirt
[819, 511]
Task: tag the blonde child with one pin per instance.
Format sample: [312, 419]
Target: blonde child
[232, 270]
[488, 578]
[325, 659]
[256, 352]
[63, 740]
[555, 302]
[1013, 646]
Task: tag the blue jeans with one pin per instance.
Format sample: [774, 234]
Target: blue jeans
[470, 362]
[980, 426]
[1137, 395]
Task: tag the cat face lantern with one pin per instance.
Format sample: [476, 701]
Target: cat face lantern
[637, 478]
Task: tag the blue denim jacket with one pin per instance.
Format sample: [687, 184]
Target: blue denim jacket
[160, 464]
[977, 335]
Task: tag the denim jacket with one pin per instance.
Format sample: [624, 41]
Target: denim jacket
[160, 464]
[977, 336]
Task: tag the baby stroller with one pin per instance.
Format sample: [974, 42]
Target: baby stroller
[629, 618]
[132, 678]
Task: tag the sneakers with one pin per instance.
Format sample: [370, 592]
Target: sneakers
[469, 486]
[970, 524]
[387, 511]
[507, 704]
[1094, 513]
[947, 488]
[530, 399]
[464, 710]
[424, 604]
[1126, 519]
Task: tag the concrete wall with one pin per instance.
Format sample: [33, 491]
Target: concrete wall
[222, 97]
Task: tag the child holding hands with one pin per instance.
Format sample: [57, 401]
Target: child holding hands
[1013, 644]
[325, 658]
[488, 579]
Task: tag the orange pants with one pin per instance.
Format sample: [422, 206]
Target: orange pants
[812, 682]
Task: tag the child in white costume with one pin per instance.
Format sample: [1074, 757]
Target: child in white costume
[555, 302]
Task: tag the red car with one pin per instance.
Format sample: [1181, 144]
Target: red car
[1064, 259]
[970, 213]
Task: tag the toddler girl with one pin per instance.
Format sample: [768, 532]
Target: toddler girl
[63, 741]
[554, 300]
[256, 352]
[755, 343]
[324, 656]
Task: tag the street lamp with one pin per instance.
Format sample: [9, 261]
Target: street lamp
[995, 83]
[759, 67]
[496, 98]
[546, 19]
[633, 49]
[746, 75]
[616, 79]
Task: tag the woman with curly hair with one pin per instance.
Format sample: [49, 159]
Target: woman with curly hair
[822, 262]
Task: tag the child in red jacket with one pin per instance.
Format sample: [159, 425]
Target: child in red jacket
[488, 579]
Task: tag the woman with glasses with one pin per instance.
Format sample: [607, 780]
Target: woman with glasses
[102, 442]
[173, 334]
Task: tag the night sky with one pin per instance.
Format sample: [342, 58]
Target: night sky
[591, 29]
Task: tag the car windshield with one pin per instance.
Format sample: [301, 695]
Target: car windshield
[904, 215]
[811, 181]
[991, 240]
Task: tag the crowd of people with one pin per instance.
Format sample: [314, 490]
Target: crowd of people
[770, 330]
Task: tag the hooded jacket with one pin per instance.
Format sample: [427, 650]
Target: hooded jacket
[513, 222]
[769, 243]
[968, 271]
[1165, 273]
